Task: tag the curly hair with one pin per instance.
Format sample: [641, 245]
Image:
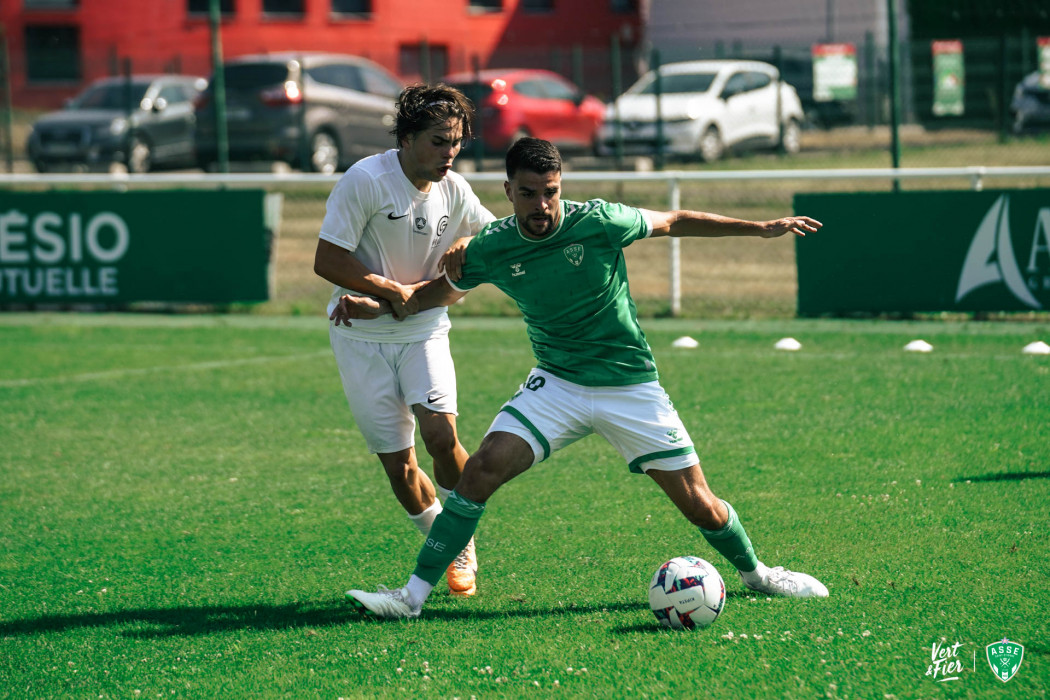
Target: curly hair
[420, 107]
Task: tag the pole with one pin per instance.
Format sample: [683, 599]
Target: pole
[658, 94]
[478, 145]
[218, 88]
[617, 88]
[895, 91]
[9, 124]
[676, 252]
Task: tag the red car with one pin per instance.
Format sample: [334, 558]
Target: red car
[516, 102]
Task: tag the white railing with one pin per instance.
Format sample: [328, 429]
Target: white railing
[975, 174]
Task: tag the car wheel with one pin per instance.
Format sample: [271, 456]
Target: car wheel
[140, 156]
[41, 166]
[324, 153]
[791, 138]
[711, 147]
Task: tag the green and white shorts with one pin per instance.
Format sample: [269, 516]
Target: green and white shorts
[638, 420]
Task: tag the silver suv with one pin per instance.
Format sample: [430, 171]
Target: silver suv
[315, 111]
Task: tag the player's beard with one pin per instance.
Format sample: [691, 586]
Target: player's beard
[539, 226]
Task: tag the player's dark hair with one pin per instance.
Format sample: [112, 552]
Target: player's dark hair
[534, 155]
[420, 107]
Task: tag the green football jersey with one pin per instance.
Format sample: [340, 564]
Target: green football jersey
[572, 289]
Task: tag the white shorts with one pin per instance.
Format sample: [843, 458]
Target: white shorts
[382, 381]
[638, 420]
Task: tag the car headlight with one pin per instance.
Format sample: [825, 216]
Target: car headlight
[118, 126]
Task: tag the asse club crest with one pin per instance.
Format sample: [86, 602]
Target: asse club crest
[574, 253]
[1005, 658]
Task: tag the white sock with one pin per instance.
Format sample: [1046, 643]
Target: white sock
[417, 591]
[755, 577]
[424, 520]
[443, 491]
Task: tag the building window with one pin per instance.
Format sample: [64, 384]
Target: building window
[52, 54]
[203, 7]
[282, 7]
[624, 7]
[424, 61]
[537, 6]
[351, 7]
[51, 4]
[485, 5]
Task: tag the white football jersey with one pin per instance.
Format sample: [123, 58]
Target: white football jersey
[397, 231]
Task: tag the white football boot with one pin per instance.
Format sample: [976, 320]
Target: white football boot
[385, 603]
[792, 584]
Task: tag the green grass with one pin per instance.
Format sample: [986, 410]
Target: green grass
[185, 500]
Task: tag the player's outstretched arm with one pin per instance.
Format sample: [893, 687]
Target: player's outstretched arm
[700, 224]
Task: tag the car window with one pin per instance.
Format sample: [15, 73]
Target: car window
[556, 90]
[737, 83]
[252, 76]
[676, 83]
[338, 74]
[475, 91]
[378, 83]
[757, 80]
[530, 88]
[111, 96]
[173, 94]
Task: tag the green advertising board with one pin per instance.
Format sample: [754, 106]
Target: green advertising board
[886, 252]
[949, 78]
[114, 248]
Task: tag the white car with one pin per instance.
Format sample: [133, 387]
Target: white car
[706, 108]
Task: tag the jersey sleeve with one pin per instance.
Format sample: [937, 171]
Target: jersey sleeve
[475, 271]
[349, 207]
[625, 225]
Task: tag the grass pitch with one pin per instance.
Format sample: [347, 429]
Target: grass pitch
[185, 500]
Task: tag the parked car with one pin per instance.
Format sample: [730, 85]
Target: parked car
[706, 108]
[516, 102]
[141, 121]
[1030, 105]
[315, 111]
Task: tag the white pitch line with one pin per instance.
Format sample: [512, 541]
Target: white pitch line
[118, 373]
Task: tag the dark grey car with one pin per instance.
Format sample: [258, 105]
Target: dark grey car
[322, 111]
[144, 122]
[1030, 105]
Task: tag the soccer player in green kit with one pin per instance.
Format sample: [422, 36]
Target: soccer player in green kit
[562, 263]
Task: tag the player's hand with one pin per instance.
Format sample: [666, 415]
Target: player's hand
[451, 262]
[798, 225]
[349, 307]
[404, 304]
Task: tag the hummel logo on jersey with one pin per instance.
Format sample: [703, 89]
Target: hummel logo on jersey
[518, 272]
[395, 218]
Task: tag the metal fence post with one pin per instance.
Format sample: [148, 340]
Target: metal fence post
[658, 94]
[218, 88]
[895, 91]
[9, 123]
[617, 88]
[675, 195]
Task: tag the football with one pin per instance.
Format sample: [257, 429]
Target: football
[686, 593]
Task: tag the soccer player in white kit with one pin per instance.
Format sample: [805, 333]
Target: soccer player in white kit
[562, 263]
[388, 222]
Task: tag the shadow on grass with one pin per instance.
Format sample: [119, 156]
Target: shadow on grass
[190, 621]
[1007, 476]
